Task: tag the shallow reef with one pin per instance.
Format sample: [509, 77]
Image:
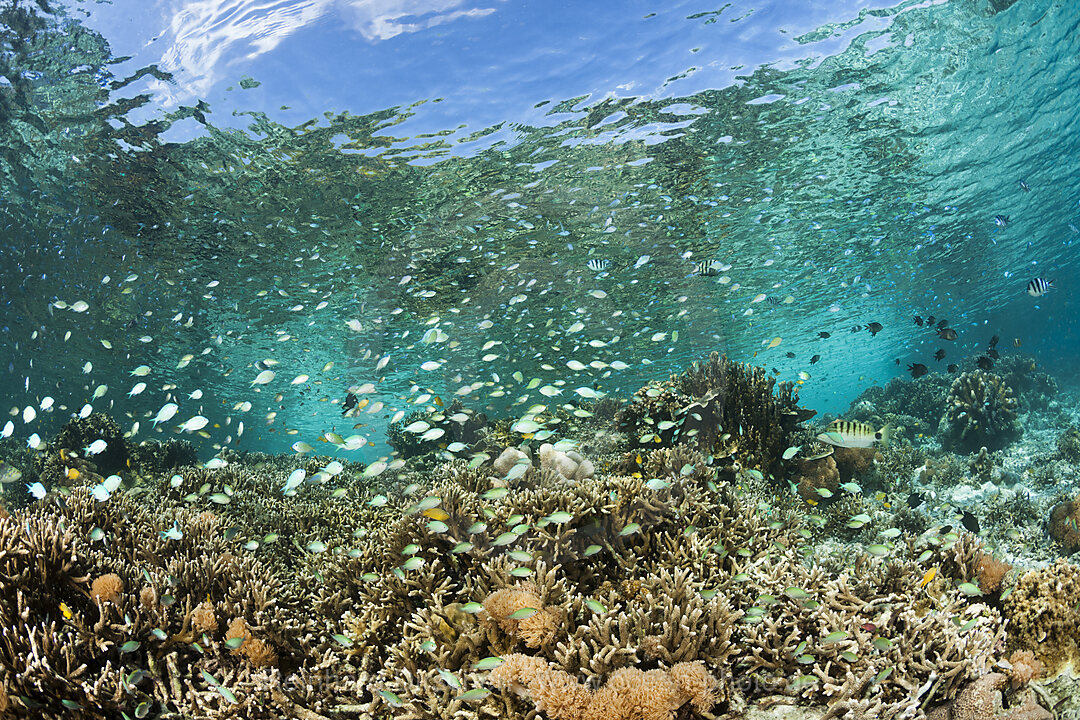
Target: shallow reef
[696, 554]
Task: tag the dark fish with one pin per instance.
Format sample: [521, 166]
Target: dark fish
[942, 324]
[917, 370]
[874, 328]
[824, 335]
[1001, 220]
[598, 264]
[1039, 287]
[1024, 186]
[930, 321]
[994, 341]
[349, 404]
[897, 361]
[947, 334]
[952, 368]
[856, 328]
[918, 321]
[939, 355]
[789, 354]
[815, 359]
[775, 371]
[992, 352]
[984, 362]
[970, 522]
[914, 500]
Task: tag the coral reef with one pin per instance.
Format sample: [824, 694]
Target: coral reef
[903, 402]
[629, 694]
[408, 436]
[730, 410]
[814, 476]
[1068, 444]
[1064, 525]
[980, 411]
[1033, 388]
[1044, 614]
[981, 700]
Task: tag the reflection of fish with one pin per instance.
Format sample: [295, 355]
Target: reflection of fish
[598, 264]
[824, 335]
[845, 433]
[1024, 186]
[1001, 220]
[9, 473]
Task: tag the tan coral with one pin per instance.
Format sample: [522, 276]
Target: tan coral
[107, 588]
[628, 694]
[203, 618]
[981, 700]
[536, 629]
[257, 652]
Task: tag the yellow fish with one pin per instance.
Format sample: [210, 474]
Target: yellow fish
[928, 577]
[436, 513]
[65, 611]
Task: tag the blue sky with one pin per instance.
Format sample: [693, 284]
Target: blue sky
[486, 61]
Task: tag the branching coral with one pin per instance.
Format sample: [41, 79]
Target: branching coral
[980, 410]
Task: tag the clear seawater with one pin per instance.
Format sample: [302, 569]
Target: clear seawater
[412, 191]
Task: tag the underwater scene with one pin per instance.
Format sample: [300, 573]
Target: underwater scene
[479, 359]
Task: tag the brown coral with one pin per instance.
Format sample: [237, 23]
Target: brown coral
[981, 700]
[1025, 667]
[853, 462]
[990, 572]
[628, 694]
[107, 588]
[816, 475]
[980, 411]
[1044, 614]
[1065, 525]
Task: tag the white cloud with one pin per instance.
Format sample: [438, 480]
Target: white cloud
[207, 36]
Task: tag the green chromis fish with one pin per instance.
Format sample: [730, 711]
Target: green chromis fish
[845, 433]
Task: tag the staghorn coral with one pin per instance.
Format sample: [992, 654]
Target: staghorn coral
[629, 694]
[980, 411]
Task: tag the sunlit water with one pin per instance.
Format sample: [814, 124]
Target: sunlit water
[407, 196]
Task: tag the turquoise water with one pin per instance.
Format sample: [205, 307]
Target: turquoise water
[400, 308]
[241, 187]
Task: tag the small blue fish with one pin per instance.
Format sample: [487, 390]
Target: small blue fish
[173, 533]
[36, 489]
[1024, 186]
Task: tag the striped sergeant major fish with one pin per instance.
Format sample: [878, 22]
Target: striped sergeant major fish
[849, 434]
[598, 264]
[707, 268]
[1039, 287]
